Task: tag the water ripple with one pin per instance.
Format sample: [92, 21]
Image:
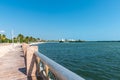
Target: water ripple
[92, 60]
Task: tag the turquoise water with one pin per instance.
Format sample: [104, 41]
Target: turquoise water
[91, 60]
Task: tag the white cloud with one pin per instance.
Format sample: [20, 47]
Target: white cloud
[2, 31]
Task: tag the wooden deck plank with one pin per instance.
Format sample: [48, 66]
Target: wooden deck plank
[12, 66]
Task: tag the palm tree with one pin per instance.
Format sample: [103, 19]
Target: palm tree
[2, 38]
[31, 39]
[26, 39]
[21, 37]
[15, 39]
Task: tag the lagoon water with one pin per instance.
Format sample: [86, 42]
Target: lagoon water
[91, 60]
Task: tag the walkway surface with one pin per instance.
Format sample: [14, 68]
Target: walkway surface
[12, 66]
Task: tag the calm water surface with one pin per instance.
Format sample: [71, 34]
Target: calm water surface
[91, 60]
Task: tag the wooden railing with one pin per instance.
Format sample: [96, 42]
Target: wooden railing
[43, 67]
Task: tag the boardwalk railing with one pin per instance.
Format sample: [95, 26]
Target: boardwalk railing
[38, 64]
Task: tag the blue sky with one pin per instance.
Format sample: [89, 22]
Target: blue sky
[56, 19]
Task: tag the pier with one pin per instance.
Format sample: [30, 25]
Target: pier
[25, 62]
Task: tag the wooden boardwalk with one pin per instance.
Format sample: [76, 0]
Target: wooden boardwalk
[12, 66]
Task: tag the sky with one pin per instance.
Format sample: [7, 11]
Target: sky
[90, 20]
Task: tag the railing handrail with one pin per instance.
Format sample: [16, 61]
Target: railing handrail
[59, 71]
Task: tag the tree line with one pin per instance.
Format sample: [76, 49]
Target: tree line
[20, 38]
